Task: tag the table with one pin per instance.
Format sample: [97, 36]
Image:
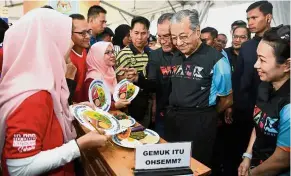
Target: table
[119, 161]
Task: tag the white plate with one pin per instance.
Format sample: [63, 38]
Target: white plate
[132, 122]
[103, 91]
[122, 84]
[146, 131]
[78, 110]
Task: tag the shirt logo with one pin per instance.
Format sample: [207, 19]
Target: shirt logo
[24, 142]
[182, 71]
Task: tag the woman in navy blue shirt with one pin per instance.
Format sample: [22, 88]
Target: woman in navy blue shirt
[269, 146]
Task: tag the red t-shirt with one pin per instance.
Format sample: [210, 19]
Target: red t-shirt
[80, 64]
[35, 122]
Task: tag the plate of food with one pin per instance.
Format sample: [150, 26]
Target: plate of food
[99, 95]
[98, 118]
[133, 137]
[125, 120]
[125, 90]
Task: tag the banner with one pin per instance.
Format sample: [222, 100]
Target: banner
[64, 6]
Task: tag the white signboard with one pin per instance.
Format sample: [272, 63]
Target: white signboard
[158, 156]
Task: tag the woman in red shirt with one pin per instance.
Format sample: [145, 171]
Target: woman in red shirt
[36, 131]
[100, 62]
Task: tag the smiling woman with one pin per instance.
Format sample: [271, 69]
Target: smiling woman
[270, 140]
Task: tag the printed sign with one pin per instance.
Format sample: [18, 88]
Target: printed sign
[65, 6]
[158, 156]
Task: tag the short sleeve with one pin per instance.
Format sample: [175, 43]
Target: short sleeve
[222, 77]
[26, 126]
[121, 62]
[283, 140]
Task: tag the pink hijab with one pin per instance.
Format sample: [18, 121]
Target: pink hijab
[34, 50]
[97, 69]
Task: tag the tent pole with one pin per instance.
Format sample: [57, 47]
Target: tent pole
[116, 8]
[172, 6]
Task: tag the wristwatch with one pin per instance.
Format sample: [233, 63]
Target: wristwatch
[247, 155]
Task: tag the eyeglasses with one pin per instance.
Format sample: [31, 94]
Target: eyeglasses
[241, 37]
[84, 33]
[164, 37]
[109, 52]
[182, 38]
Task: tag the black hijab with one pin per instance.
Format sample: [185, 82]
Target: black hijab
[120, 32]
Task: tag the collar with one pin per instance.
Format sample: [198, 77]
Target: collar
[266, 91]
[179, 53]
[81, 56]
[283, 90]
[135, 51]
[257, 38]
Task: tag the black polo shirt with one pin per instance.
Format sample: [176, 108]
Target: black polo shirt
[159, 70]
[272, 120]
[200, 78]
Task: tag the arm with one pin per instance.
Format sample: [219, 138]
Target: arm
[222, 83]
[274, 165]
[246, 163]
[279, 161]
[224, 103]
[72, 87]
[121, 62]
[44, 161]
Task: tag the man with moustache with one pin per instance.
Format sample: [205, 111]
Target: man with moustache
[136, 55]
[81, 34]
[159, 69]
[201, 87]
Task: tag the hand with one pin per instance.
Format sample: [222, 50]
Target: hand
[92, 139]
[130, 74]
[87, 104]
[67, 55]
[122, 103]
[228, 116]
[244, 166]
[71, 71]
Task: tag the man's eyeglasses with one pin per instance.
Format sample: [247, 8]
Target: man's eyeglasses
[109, 52]
[84, 33]
[164, 37]
[241, 37]
[183, 38]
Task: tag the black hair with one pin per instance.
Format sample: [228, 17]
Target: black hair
[152, 38]
[213, 32]
[47, 7]
[95, 10]
[279, 39]
[142, 20]
[223, 35]
[264, 6]
[107, 31]
[244, 27]
[238, 23]
[77, 16]
[3, 28]
[164, 17]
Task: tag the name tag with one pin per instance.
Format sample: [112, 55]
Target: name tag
[159, 156]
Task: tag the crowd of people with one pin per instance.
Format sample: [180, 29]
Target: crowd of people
[232, 103]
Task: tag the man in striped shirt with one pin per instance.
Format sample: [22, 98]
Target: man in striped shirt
[136, 56]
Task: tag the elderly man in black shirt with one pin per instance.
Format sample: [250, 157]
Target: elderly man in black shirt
[159, 69]
[200, 76]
